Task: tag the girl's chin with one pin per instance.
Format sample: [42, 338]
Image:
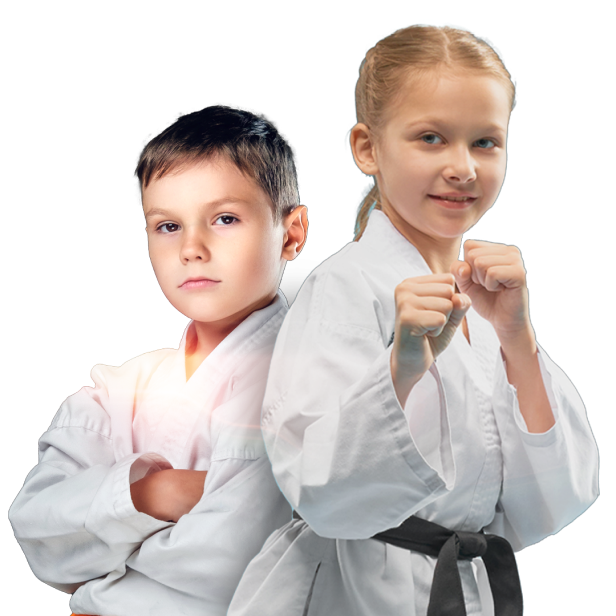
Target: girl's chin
[439, 228]
[447, 231]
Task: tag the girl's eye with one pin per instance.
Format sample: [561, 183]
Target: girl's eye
[431, 139]
[485, 144]
[225, 219]
[168, 227]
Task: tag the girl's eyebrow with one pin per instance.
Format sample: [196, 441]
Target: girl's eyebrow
[438, 122]
[165, 213]
[434, 122]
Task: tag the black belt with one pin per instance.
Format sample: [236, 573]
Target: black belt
[446, 596]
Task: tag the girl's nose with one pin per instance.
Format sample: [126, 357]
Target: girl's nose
[194, 247]
[461, 167]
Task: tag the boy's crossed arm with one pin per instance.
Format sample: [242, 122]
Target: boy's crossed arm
[168, 494]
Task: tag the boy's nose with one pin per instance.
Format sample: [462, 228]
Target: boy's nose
[194, 248]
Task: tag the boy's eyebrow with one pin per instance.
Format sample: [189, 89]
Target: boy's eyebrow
[215, 203]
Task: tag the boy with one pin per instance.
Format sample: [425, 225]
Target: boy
[153, 490]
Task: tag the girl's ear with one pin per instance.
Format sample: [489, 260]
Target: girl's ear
[362, 145]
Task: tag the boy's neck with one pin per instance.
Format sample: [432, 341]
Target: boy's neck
[202, 338]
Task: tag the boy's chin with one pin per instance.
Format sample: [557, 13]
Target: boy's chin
[213, 312]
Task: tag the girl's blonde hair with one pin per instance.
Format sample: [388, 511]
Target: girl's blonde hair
[411, 52]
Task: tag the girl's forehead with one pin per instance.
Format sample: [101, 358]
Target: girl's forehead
[452, 95]
[429, 82]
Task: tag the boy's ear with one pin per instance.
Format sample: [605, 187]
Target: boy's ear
[296, 231]
[362, 145]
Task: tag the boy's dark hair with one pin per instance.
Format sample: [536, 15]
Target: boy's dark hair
[250, 142]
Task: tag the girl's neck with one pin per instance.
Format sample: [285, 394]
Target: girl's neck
[439, 257]
[438, 253]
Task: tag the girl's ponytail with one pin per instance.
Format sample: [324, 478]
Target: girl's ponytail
[369, 203]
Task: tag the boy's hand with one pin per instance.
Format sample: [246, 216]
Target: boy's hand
[169, 494]
[493, 276]
[428, 312]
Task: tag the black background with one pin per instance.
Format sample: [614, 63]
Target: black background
[80, 287]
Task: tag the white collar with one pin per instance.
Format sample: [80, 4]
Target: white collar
[251, 333]
[380, 235]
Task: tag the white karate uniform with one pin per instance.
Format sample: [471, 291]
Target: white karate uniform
[75, 519]
[354, 463]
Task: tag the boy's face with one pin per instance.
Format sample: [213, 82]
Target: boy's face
[216, 252]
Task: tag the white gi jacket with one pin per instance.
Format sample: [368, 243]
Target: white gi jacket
[354, 463]
[75, 519]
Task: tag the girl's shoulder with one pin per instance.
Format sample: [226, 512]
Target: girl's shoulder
[372, 266]
[354, 288]
[348, 291]
[343, 271]
[382, 257]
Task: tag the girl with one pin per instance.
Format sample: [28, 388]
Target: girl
[407, 397]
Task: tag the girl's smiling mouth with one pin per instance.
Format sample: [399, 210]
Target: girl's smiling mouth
[454, 201]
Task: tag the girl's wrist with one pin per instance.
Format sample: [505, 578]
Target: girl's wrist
[404, 378]
[518, 342]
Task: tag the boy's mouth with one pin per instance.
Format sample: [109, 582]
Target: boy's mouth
[198, 283]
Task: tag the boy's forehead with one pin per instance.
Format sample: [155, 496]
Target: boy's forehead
[209, 182]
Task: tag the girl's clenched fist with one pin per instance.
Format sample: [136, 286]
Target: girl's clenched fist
[428, 312]
[493, 276]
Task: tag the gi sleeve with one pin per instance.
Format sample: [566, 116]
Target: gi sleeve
[74, 517]
[336, 435]
[550, 478]
[205, 553]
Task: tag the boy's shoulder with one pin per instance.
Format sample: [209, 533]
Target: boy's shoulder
[114, 386]
[134, 373]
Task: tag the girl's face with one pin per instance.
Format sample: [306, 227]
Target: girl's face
[441, 155]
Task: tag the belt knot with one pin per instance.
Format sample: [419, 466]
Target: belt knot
[472, 545]
[446, 594]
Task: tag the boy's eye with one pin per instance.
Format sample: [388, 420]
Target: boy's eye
[225, 219]
[431, 139]
[168, 227]
[485, 143]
